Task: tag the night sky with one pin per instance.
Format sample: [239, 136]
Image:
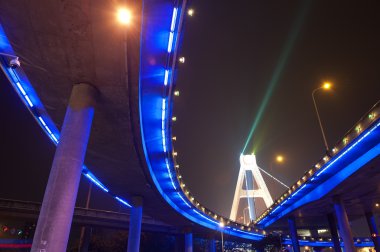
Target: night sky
[234, 53]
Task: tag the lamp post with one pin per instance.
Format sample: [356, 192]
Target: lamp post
[279, 159]
[221, 225]
[325, 86]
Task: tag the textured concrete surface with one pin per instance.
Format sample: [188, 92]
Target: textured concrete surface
[65, 42]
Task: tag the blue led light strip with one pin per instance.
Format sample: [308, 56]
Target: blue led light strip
[123, 201]
[205, 217]
[172, 28]
[161, 128]
[323, 170]
[344, 153]
[91, 177]
[164, 129]
[184, 201]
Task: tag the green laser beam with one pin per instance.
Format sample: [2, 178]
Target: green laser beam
[279, 68]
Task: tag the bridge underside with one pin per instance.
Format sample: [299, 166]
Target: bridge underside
[360, 194]
[61, 43]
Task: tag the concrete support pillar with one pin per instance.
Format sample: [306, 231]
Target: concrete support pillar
[135, 225]
[54, 222]
[86, 239]
[178, 245]
[344, 226]
[188, 242]
[373, 229]
[211, 245]
[334, 232]
[293, 233]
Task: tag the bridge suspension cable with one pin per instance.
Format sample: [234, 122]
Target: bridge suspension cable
[274, 178]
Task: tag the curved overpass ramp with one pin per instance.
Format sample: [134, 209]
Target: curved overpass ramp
[130, 151]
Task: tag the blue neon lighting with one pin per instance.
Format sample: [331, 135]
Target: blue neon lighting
[155, 120]
[300, 189]
[21, 88]
[48, 130]
[42, 121]
[174, 17]
[170, 43]
[338, 177]
[248, 233]
[170, 173]
[184, 201]
[205, 217]
[54, 138]
[91, 177]
[166, 77]
[349, 149]
[172, 28]
[29, 101]
[122, 201]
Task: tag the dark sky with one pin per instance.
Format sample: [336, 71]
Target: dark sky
[232, 52]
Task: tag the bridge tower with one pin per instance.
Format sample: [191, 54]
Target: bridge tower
[251, 186]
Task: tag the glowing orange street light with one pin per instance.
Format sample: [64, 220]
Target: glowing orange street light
[124, 16]
[325, 86]
[280, 159]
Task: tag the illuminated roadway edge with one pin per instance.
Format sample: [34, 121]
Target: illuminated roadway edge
[156, 104]
[161, 42]
[358, 147]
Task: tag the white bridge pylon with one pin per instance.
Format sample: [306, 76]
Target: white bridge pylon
[248, 165]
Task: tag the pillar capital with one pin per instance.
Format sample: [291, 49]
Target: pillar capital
[83, 95]
[137, 201]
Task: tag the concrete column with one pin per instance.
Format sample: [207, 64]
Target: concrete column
[334, 232]
[344, 226]
[178, 245]
[54, 222]
[188, 242]
[86, 239]
[135, 225]
[293, 233]
[373, 229]
[211, 245]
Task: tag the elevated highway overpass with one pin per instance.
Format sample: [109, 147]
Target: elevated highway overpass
[132, 70]
[125, 74]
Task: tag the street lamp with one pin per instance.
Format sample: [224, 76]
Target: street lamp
[124, 16]
[221, 225]
[279, 159]
[325, 86]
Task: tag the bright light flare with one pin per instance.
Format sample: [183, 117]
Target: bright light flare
[326, 85]
[190, 12]
[280, 159]
[221, 224]
[124, 16]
